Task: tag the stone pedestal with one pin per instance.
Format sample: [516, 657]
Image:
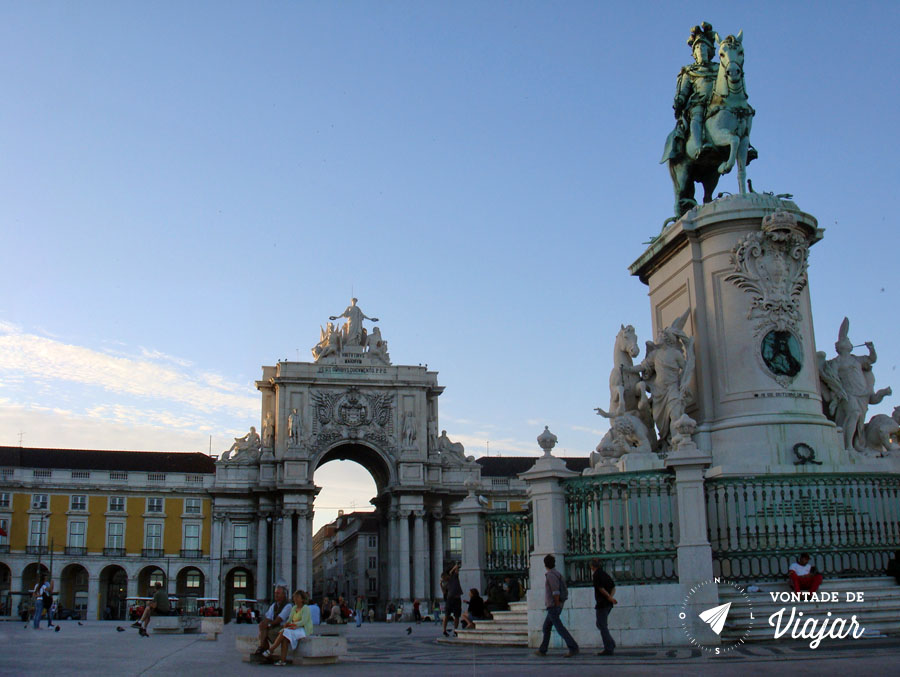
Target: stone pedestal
[548, 505]
[739, 265]
[471, 522]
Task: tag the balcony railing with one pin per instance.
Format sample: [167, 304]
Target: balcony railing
[240, 554]
[193, 554]
[76, 550]
[114, 552]
[36, 549]
[152, 552]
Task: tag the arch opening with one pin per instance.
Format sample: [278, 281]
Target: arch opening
[73, 589]
[113, 593]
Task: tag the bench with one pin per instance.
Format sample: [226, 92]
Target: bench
[212, 627]
[174, 625]
[312, 650]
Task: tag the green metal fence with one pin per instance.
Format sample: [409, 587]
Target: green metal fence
[849, 523]
[508, 542]
[628, 521]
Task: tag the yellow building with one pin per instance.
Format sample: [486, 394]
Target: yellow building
[104, 525]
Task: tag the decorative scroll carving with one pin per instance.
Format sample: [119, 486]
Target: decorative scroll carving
[771, 266]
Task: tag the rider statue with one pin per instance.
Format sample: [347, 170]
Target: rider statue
[695, 86]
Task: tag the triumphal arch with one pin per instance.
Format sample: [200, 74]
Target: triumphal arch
[349, 403]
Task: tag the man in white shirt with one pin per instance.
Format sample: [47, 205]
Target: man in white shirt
[803, 575]
[274, 618]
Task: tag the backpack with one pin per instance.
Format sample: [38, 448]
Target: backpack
[563, 589]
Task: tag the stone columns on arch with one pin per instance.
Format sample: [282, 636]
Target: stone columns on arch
[287, 548]
[216, 555]
[403, 526]
[304, 549]
[437, 554]
[393, 555]
[262, 557]
[93, 601]
[419, 554]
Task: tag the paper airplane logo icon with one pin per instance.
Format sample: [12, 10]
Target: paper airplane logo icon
[715, 617]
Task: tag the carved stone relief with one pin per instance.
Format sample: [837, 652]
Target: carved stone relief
[353, 415]
[770, 265]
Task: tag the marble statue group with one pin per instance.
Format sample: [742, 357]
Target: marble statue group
[333, 341]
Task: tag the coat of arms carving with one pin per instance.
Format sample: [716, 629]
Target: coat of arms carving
[353, 415]
[770, 265]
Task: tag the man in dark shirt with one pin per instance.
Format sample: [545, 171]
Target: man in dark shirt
[454, 599]
[158, 606]
[604, 586]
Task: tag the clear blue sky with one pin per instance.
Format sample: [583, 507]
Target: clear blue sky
[188, 190]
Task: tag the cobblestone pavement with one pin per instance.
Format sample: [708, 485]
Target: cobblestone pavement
[96, 648]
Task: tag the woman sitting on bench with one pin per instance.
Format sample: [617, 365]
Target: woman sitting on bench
[298, 625]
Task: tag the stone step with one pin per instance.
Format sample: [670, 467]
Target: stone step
[518, 606]
[472, 637]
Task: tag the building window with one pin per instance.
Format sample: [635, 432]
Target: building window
[4, 531]
[192, 506]
[455, 541]
[191, 536]
[240, 537]
[503, 506]
[155, 505]
[373, 585]
[192, 581]
[373, 542]
[117, 504]
[4, 500]
[115, 535]
[373, 562]
[39, 501]
[157, 577]
[78, 502]
[239, 581]
[154, 537]
[77, 531]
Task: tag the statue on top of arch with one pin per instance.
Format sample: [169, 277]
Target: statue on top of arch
[352, 334]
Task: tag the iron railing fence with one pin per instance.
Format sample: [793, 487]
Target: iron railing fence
[629, 521]
[508, 542]
[758, 525]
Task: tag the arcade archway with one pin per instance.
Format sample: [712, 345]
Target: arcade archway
[238, 586]
[113, 593]
[6, 604]
[148, 577]
[73, 588]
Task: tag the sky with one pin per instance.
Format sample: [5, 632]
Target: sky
[188, 190]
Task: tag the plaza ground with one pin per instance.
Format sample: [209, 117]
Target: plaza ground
[96, 648]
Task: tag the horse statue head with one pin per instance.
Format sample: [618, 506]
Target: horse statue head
[626, 343]
[731, 65]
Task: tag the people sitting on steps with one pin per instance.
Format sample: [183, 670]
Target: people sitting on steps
[804, 576]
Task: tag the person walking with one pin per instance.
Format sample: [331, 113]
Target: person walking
[555, 595]
[42, 594]
[454, 599]
[604, 586]
[359, 610]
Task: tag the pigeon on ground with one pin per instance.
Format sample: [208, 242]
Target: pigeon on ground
[119, 628]
[80, 623]
[409, 631]
[56, 629]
